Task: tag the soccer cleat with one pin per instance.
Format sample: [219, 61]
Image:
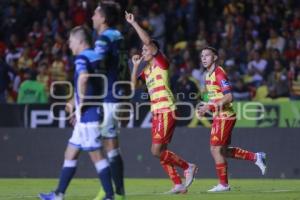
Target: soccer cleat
[120, 197]
[177, 189]
[261, 162]
[189, 174]
[51, 196]
[220, 188]
[100, 195]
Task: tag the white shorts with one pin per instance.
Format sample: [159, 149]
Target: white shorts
[86, 136]
[109, 127]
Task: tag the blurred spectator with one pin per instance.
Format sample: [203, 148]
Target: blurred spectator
[157, 25]
[277, 81]
[291, 51]
[256, 68]
[294, 79]
[275, 41]
[241, 91]
[57, 69]
[31, 91]
[12, 53]
[25, 61]
[4, 79]
[43, 75]
[186, 89]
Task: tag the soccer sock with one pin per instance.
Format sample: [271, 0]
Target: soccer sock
[67, 173]
[117, 170]
[172, 172]
[171, 158]
[222, 173]
[104, 175]
[238, 153]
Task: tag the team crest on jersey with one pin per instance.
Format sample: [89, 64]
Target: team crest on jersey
[157, 136]
[215, 138]
[225, 83]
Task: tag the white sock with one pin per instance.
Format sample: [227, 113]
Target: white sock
[100, 165]
[70, 163]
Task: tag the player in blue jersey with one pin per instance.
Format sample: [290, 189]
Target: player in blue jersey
[108, 41]
[85, 137]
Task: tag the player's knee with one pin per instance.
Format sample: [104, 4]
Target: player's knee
[155, 152]
[215, 150]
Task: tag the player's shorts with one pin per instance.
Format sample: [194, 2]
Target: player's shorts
[86, 136]
[109, 127]
[163, 126]
[221, 130]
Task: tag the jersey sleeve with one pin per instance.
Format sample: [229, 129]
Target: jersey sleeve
[81, 66]
[161, 60]
[141, 75]
[102, 46]
[222, 81]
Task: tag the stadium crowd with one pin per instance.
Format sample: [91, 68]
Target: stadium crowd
[258, 43]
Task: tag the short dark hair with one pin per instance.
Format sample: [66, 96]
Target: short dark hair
[210, 48]
[83, 33]
[110, 12]
[156, 43]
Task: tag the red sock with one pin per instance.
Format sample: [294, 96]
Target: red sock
[172, 172]
[242, 154]
[222, 173]
[171, 158]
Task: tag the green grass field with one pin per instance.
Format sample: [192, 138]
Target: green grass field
[152, 189]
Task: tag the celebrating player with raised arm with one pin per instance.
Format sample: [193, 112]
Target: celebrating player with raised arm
[162, 107]
[220, 98]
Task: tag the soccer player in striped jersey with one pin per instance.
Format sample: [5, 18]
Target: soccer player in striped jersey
[86, 123]
[224, 118]
[163, 108]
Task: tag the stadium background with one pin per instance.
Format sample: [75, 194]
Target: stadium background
[259, 47]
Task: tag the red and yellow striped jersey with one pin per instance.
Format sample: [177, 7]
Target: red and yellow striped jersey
[217, 86]
[156, 75]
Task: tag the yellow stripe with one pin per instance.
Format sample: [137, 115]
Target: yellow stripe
[222, 128]
[165, 122]
[213, 87]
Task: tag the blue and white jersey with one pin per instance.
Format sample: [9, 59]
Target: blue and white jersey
[107, 45]
[88, 62]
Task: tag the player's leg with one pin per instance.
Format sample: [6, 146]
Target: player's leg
[67, 173]
[221, 168]
[109, 135]
[219, 140]
[116, 163]
[104, 173]
[92, 144]
[163, 126]
[258, 158]
[159, 149]
[69, 166]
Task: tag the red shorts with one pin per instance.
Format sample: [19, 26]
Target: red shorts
[163, 125]
[221, 131]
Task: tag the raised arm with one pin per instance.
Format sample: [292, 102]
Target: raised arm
[143, 35]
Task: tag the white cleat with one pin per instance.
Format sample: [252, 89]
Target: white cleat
[177, 189]
[261, 162]
[189, 174]
[220, 188]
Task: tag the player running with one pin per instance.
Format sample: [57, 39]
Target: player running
[220, 103]
[163, 108]
[86, 125]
